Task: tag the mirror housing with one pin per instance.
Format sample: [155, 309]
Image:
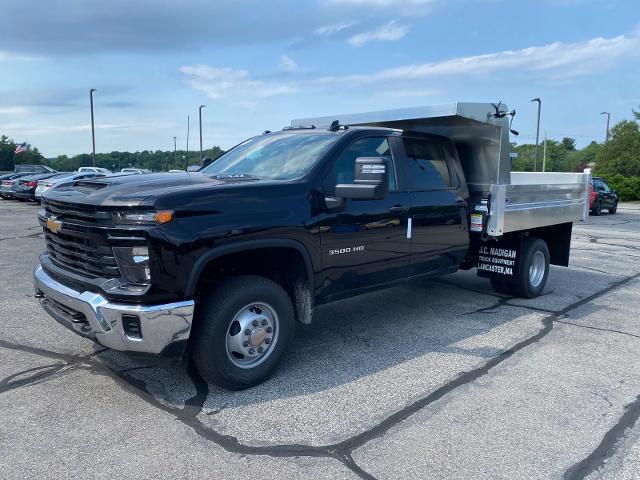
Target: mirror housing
[370, 180]
[193, 168]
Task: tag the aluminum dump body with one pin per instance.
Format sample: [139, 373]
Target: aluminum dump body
[518, 200]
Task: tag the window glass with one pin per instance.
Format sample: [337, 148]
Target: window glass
[365, 147]
[427, 167]
[283, 156]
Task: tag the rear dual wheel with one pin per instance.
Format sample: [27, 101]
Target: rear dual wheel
[533, 274]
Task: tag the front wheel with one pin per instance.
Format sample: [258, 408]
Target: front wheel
[534, 269]
[597, 209]
[241, 331]
[614, 208]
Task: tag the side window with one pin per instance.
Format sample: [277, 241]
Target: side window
[427, 168]
[365, 147]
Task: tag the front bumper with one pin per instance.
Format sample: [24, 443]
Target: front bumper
[92, 316]
[24, 195]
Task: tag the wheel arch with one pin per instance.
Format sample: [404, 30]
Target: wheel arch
[301, 292]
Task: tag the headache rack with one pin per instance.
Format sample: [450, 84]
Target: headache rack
[517, 200]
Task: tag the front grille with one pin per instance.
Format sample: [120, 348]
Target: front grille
[81, 214]
[82, 253]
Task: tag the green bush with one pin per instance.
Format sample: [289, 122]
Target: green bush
[627, 188]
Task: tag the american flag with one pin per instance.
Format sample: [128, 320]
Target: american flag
[22, 148]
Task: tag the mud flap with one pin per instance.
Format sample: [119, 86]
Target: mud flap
[500, 259]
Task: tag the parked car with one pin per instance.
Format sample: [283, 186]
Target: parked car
[33, 169]
[8, 183]
[228, 259]
[25, 188]
[135, 170]
[104, 171]
[52, 182]
[601, 196]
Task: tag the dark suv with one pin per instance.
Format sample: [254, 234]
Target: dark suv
[601, 196]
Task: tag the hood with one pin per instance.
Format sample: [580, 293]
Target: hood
[128, 190]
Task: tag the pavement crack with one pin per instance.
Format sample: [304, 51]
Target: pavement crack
[602, 329]
[341, 451]
[608, 446]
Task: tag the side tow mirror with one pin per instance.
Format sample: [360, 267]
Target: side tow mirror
[370, 180]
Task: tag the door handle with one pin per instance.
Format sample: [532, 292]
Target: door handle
[399, 209]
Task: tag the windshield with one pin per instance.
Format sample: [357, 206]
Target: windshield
[280, 157]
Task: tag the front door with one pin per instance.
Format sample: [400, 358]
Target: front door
[365, 243]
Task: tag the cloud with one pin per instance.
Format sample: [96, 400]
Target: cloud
[31, 129]
[14, 111]
[424, 92]
[556, 60]
[85, 27]
[388, 32]
[288, 64]
[329, 30]
[231, 84]
[4, 55]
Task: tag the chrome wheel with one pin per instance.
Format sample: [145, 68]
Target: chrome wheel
[537, 269]
[252, 335]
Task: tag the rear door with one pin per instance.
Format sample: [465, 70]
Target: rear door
[365, 243]
[438, 214]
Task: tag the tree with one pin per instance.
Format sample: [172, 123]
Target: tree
[621, 154]
[569, 143]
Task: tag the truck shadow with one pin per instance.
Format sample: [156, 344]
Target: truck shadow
[458, 317]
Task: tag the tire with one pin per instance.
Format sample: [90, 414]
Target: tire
[501, 286]
[613, 209]
[597, 209]
[534, 269]
[221, 350]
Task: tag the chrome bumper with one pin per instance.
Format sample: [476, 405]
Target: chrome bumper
[93, 316]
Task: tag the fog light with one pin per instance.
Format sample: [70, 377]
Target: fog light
[131, 326]
[133, 263]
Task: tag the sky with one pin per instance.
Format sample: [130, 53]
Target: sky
[256, 65]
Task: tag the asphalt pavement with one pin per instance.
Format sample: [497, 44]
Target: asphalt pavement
[433, 379]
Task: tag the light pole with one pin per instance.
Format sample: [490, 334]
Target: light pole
[188, 125]
[200, 118]
[608, 114]
[175, 151]
[535, 162]
[93, 128]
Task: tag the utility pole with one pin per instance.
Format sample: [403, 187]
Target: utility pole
[175, 151]
[93, 128]
[544, 155]
[187, 157]
[608, 114]
[535, 162]
[200, 118]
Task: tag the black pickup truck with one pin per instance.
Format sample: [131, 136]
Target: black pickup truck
[225, 261]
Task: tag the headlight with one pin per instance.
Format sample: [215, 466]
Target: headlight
[143, 218]
[133, 263]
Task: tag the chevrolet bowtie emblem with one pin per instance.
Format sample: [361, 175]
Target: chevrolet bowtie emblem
[54, 224]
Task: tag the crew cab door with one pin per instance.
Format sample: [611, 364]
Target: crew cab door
[438, 214]
[364, 243]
